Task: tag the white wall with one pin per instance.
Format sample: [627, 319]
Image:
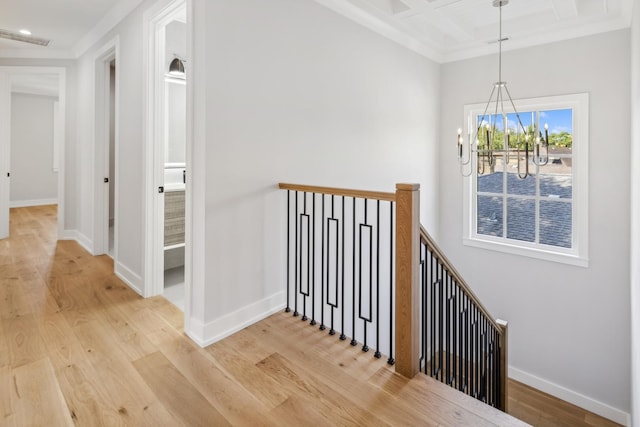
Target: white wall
[176, 42]
[290, 91]
[33, 180]
[635, 213]
[569, 326]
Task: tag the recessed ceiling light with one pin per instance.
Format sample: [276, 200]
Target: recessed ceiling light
[25, 32]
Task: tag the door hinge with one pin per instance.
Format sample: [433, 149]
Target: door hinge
[8, 174]
[160, 189]
[106, 180]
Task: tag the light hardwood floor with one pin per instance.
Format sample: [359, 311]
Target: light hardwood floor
[79, 347]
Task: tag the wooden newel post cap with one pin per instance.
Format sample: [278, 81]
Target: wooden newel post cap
[407, 187]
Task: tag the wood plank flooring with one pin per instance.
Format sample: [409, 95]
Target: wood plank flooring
[78, 347]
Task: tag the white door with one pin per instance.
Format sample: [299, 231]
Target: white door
[5, 152]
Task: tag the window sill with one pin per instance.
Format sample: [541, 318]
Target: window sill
[563, 258]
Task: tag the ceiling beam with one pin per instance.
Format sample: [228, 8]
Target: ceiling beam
[437, 17]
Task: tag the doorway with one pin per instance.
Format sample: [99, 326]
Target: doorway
[111, 161]
[32, 171]
[167, 162]
[105, 189]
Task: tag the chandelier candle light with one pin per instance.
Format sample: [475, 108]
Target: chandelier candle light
[527, 141]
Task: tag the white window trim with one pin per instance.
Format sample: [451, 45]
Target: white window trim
[579, 253]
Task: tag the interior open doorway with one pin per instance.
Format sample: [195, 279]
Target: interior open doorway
[167, 164]
[111, 204]
[175, 101]
[105, 186]
[32, 118]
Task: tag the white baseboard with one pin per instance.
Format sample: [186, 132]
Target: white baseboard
[80, 238]
[85, 242]
[68, 235]
[209, 333]
[133, 280]
[571, 396]
[35, 202]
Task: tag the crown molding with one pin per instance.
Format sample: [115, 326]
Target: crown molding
[117, 13]
[381, 27]
[588, 29]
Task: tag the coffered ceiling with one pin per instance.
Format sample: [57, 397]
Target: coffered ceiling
[448, 30]
[443, 30]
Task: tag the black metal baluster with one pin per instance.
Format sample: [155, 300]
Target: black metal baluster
[448, 329]
[499, 373]
[288, 309]
[432, 355]
[479, 361]
[479, 358]
[324, 237]
[365, 347]
[332, 330]
[342, 335]
[456, 334]
[492, 350]
[493, 367]
[469, 361]
[304, 296]
[377, 354]
[481, 393]
[295, 294]
[313, 267]
[423, 306]
[441, 296]
[353, 278]
[484, 359]
[461, 328]
[472, 365]
[390, 360]
[467, 324]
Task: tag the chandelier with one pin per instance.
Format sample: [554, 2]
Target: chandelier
[488, 142]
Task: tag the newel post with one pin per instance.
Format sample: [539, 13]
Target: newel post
[407, 333]
[504, 364]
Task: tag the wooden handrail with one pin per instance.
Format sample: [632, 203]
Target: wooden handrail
[364, 194]
[433, 247]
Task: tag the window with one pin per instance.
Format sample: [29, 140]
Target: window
[543, 215]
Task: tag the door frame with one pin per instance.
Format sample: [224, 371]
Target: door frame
[6, 73]
[102, 86]
[154, 21]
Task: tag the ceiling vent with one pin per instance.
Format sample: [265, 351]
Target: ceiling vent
[23, 38]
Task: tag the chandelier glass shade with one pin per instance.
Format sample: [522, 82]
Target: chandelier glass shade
[500, 132]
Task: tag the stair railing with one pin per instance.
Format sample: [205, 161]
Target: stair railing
[351, 254]
[340, 263]
[462, 345]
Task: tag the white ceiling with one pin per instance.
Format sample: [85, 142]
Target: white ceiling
[443, 30]
[71, 25]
